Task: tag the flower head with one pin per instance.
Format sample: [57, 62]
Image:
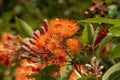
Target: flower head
[10, 48]
[74, 45]
[50, 45]
[42, 41]
[63, 27]
[26, 69]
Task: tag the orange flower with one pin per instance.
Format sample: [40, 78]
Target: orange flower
[42, 40]
[9, 48]
[59, 57]
[73, 44]
[63, 27]
[1, 44]
[52, 42]
[73, 75]
[82, 69]
[4, 57]
[58, 51]
[26, 69]
[5, 37]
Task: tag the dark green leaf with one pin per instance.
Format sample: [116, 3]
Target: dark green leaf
[115, 76]
[87, 78]
[115, 31]
[49, 69]
[24, 28]
[116, 52]
[111, 70]
[87, 35]
[45, 77]
[34, 76]
[115, 22]
[41, 77]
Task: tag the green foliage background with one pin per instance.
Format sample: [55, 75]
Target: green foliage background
[34, 11]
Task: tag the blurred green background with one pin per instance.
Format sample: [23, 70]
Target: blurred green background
[34, 11]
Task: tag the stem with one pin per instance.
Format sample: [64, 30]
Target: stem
[73, 63]
[87, 57]
[93, 52]
[113, 62]
[77, 68]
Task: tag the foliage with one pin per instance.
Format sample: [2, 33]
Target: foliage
[111, 71]
[60, 40]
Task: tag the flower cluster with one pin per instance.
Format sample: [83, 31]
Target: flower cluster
[55, 45]
[87, 70]
[95, 70]
[27, 68]
[75, 75]
[59, 45]
[10, 48]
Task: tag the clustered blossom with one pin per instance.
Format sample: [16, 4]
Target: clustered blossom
[95, 70]
[59, 45]
[55, 44]
[27, 68]
[74, 45]
[62, 27]
[75, 75]
[87, 70]
[10, 48]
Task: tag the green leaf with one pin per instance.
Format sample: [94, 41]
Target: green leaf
[112, 11]
[108, 1]
[45, 77]
[41, 77]
[87, 35]
[65, 71]
[33, 76]
[49, 69]
[115, 31]
[111, 70]
[115, 76]
[115, 22]
[44, 74]
[24, 28]
[96, 33]
[116, 52]
[104, 42]
[87, 78]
